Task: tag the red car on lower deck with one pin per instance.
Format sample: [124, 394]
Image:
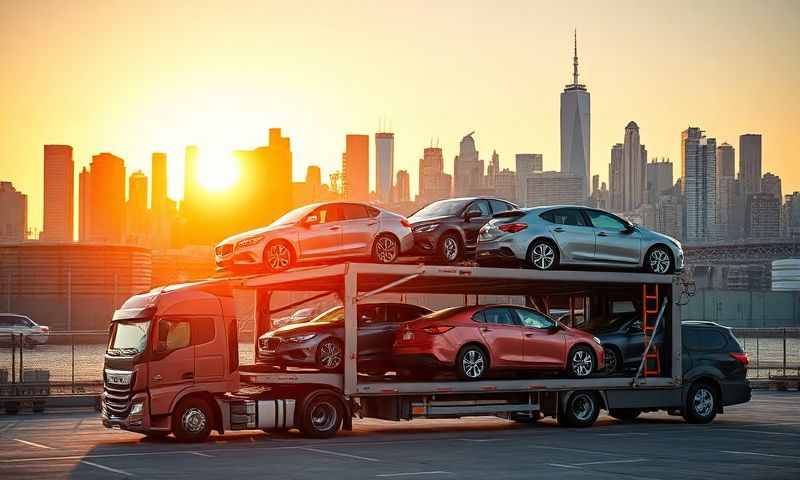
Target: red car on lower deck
[477, 339]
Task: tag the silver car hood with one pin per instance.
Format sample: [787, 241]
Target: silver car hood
[270, 229]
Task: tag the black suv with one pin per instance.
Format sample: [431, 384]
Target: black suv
[714, 370]
[447, 229]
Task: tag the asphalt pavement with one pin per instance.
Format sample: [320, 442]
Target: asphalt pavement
[755, 440]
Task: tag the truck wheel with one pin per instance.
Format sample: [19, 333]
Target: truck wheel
[625, 414]
[322, 417]
[702, 403]
[581, 410]
[192, 420]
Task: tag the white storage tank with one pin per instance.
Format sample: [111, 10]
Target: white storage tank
[786, 275]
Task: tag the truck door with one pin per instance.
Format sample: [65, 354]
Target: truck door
[172, 365]
[209, 345]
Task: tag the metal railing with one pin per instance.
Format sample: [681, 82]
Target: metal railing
[72, 362]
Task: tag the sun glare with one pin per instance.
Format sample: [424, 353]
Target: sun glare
[217, 171]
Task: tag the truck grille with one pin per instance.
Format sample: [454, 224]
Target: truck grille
[117, 398]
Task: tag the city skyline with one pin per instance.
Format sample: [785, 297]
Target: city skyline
[159, 93]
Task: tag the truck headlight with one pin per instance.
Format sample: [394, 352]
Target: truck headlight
[137, 408]
[425, 228]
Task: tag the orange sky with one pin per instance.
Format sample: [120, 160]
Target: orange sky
[137, 77]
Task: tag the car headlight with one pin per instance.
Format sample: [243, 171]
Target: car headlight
[301, 338]
[425, 228]
[249, 242]
[597, 340]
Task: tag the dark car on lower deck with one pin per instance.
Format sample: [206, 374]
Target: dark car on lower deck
[319, 343]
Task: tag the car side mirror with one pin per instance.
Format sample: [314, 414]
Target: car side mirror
[629, 227]
[311, 220]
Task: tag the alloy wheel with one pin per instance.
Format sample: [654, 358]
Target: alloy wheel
[386, 250]
[330, 355]
[611, 360]
[659, 261]
[703, 402]
[279, 257]
[450, 249]
[582, 363]
[543, 256]
[194, 420]
[473, 363]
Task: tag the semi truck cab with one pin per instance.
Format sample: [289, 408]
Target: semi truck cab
[170, 352]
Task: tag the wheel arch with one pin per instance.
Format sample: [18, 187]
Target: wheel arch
[480, 345]
[545, 238]
[708, 379]
[207, 397]
[311, 394]
[656, 245]
[292, 248]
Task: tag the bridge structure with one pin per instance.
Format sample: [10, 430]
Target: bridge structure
[741, 264]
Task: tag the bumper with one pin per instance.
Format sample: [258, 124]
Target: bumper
[734, 393]
[407, 243]
[135, 422]
[502, 255]
[242, 258]
[289, 356]
[419, 361]
[425, 244]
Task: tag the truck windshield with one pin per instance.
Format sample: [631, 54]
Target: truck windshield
[128, 337]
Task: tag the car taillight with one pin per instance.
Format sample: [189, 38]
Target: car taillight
[513, 227]
[43, 328]
[740, 357]
[405, 223]
[437, 330]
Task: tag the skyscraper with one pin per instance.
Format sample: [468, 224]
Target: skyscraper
[633, 169]
[384, 165]
[771, 183]
[467, 168]
[576, 127]
[616, 179]
[505, 185]
[137, 231]
[159, 190]
[726, 161]
[750, 163]
[13, 214]
[526, 164]
[104, 194]
[492, 170]
[355, 167]
[59, 181]
[554, 188]
[699, 184]
[434, 184]
[84, 210]
[190, 178]
[659, 179]
[403, 188]
[762, 216]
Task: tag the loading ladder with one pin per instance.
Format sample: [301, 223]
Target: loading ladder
[650, 310]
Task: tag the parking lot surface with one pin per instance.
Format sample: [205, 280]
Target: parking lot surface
[755, 440]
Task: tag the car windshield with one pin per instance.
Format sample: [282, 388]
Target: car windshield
[335, 314]
[443, 208]
[128, 337]
[294, 216]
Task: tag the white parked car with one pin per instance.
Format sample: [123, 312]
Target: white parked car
[34, 334]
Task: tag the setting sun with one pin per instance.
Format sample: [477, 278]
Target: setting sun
[217, 171]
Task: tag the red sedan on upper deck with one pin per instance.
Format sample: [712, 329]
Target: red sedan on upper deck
[477, 339]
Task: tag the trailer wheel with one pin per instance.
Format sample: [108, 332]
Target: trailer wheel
[702, 403]
[581, 410]
[625, 414]
[322, 417]
[192, 420]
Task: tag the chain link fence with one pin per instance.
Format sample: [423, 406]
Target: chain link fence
[72, 362]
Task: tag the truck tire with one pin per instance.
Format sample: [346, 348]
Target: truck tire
[192, 420]
[625, 414]
[580, 410]
[702, 403]
[322, 417]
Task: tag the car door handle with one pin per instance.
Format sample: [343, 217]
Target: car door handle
[602, 234]
[372, 224]
[187, 376]
[529, 334]
[334, 228]
[558, 229]
[484, 329]
[157, 378]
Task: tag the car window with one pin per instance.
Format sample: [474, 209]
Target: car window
[530, 318]
[500, 316]
[328, 214]
[5, 321]
[353, 211]
[404, 313]
[373, 212]
[703, 339]
[565, 216]
[481, 205]
[499, 206]
[605, 220]
[371, 314]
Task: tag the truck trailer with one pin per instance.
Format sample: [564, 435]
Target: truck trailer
[172, 365]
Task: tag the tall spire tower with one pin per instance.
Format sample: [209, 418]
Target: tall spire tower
[575, 126]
